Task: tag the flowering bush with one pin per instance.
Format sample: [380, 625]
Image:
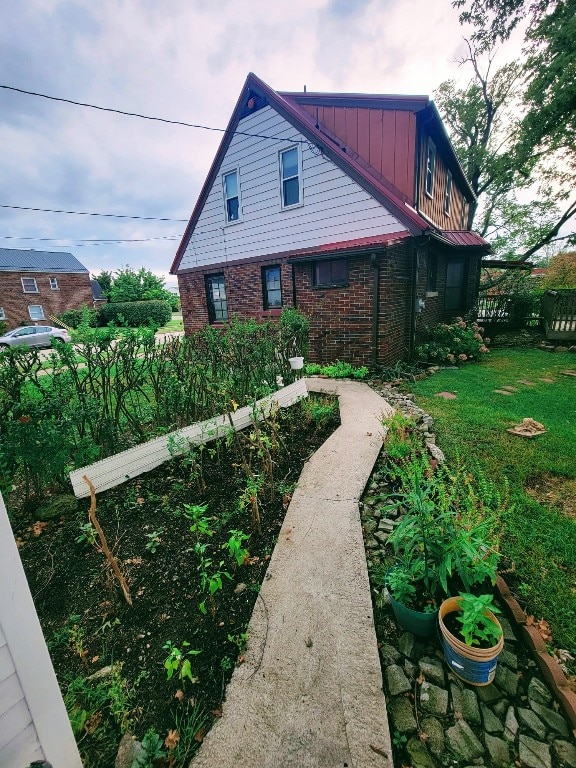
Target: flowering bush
[453, 343]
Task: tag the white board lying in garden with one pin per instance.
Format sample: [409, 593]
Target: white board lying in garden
[110, 472]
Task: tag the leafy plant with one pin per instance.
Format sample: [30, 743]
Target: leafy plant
[235, 548]
[177, 662]
[87, 534]
[337, 370]
[453, 343]
[478, 628]
[201, 524]
[212, 583]
[152, 745]
[154, 540]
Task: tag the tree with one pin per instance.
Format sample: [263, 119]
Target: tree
[105, 281]
[128, 285]
[561, 271]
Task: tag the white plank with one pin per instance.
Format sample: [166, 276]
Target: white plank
[114, 470]
[10, 692]
[14, 721]
[6, 663]
[43, 700]
[265, 228]
[22, 750]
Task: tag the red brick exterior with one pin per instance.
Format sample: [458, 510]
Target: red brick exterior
[342, 324]
[74, 290]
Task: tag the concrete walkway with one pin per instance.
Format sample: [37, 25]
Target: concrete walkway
[310, 692]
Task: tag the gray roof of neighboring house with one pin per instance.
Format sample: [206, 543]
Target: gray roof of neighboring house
[17, 260]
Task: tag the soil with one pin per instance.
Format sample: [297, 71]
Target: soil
[89, 625]
[554, 490]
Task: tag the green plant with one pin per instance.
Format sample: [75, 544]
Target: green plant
[177, 661]
[235, 548]
[211, 583]
[152, 746]
[337, 370]
[154, 540]
[320, 408]
[453, 343]
[240, 640]
[477, 626]
[200, 522]
[399, 739]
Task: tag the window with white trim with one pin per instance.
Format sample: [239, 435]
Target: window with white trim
[36, 312]
[54, 283]
[464, 219]
[231, 188]
[29, 285]
[290, 177]
[430, 167]
[448, 193]
[2, 314]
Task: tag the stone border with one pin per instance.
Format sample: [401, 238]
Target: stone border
[547, 664]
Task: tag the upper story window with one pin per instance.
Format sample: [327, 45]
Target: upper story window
[231, 185]
[331, 273]
[54, 284]
[29, 285]
[290, 177]
[271, 287]
[448, 193]
[464, 218]
[430, 167]
[2, 314]
[216, 295]
[36, 312]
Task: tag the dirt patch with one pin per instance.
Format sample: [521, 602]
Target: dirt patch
[554, 491]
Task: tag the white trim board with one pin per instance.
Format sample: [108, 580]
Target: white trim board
[114, 470]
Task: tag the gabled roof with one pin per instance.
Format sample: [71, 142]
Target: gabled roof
[17, 260]
[256, 94]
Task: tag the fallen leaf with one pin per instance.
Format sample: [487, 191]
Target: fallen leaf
[423, 736]
[420, 679]
[93, 722]
[172, 739]
[179, 695]
[95, 659]
[200, 735]
[38, 527]
[217, 712]
[241, 660]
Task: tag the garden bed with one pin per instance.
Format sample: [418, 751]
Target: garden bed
[179, 534]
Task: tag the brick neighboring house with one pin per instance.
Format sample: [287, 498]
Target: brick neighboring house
[37, 284]
[352, 208]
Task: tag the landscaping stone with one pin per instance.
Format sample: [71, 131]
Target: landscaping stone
[492, 724]
[432, 671]
[551, 718]
[446, 395]
[507, 631]
[419, 755]
[434, 730]
[406, 644]
[529, 720]
[534, 754]
[499, 751]
[63, 505]
[381, 537]
[538, 692]
[402, 715]
[370, 526]
[565, 752]
[489, 693]
[463, 742]
[410, 669]
[509, 659]
[389, 654]
[506, 680]
[470, 709]
[433, 699]
[511, 726]
[130, 752]
[396, 680]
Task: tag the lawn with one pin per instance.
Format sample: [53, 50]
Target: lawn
[539, 534]
[174, 325]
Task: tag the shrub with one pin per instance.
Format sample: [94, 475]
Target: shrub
[135, 314]
[72, 318]
[453, 343]
[337, 370]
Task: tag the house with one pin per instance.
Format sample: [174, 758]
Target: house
[37, 285]
[352, 208]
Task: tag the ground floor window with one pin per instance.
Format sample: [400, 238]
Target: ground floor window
[332, 272]
[271, 287]
[216, 296]
[36, 312]
[455, 285]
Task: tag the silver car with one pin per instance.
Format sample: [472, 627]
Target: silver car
[33, 336]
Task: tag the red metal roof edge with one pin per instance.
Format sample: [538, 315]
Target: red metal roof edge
[462, 237]
[374, 101]
[359, 243]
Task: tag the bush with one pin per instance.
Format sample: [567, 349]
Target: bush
[135, 314]
[453, 343]
[72, 318]
[337, 370]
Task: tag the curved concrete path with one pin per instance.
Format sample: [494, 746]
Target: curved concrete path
[310, 692]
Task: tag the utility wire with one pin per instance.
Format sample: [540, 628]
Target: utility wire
[149, 117]
[92, 239]
[86, 213]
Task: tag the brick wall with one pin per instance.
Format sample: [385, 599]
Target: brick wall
[74, 290]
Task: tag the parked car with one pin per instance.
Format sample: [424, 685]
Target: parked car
[33, 336]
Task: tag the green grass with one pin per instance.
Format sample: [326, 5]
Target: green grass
[173, 325]
[538, 537]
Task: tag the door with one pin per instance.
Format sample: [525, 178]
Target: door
[455, 292]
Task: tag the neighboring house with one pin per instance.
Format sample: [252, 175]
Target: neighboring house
[352, 208]
[98, 297]
[36, 285]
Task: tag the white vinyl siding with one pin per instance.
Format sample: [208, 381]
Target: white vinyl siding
[335, 208]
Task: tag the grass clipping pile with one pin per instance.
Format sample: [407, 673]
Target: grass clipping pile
[183, 542]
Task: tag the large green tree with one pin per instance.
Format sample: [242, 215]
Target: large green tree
[514, 127]
[129, 285]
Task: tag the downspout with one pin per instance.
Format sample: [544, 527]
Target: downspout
[412, 339]
[294, 287]
[374, 263]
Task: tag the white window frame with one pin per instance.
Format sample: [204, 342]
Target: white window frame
[464, 215]
[282, 179]
[2, 314]
[430, 167]
[53, 283]
[41, 316]
[35, 290]
[448, 193]
[228, 172]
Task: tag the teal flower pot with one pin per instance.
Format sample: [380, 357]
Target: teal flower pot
[420, 623]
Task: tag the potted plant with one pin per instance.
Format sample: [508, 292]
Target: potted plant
[471, 637]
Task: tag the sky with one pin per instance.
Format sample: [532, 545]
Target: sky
[181, 60]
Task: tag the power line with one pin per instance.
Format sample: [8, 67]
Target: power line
[86, 213]
[149, 117]
[93, 239]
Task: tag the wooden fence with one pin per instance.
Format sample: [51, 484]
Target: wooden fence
[509, 309]
[559, 314]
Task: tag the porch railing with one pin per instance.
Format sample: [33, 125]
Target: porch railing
[559, 314]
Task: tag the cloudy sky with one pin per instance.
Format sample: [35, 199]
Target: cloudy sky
[182, 60]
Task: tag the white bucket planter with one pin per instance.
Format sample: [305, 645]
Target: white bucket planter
[296, 363]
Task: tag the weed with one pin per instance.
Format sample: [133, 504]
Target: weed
[211, 583]
[235, 548]
[152, 745]
[87, 535]
[176, 661]
[240, 640]
[200, 522]
[154, 540]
